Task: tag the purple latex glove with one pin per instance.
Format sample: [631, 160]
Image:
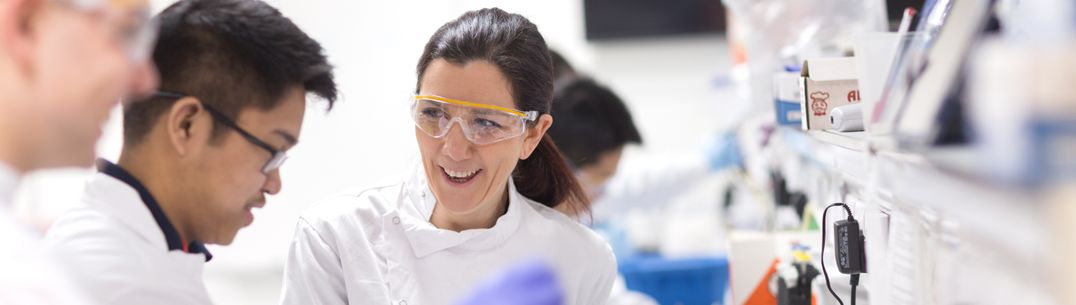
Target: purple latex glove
[532, 282]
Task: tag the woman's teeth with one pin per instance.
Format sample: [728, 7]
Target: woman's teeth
[455, 174]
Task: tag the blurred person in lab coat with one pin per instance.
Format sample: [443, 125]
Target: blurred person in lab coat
[482, 198]
[63, 66]
[199, 154]
[594, 126]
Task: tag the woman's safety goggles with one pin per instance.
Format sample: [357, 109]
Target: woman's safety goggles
[481, 123]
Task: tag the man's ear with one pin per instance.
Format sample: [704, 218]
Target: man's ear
[534, 135]
[17, 21]
[188, 125]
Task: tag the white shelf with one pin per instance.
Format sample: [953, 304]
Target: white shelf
[843, 153]
[856, 141]
[944, 203]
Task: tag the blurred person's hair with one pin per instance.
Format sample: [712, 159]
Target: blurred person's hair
[514, 45]
[561, 68]
[231, 54]
[590, 120]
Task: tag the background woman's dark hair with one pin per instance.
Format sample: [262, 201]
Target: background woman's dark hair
[514, 45]
[591, 121]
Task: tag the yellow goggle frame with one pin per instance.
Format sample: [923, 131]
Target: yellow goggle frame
[526, 115]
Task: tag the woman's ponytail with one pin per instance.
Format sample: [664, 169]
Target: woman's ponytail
[546, 177]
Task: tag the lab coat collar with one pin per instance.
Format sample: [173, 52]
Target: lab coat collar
[171, 235]
[414, 217]
[9, 181]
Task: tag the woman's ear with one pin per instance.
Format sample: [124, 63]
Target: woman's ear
[188, 129]
[534, 135]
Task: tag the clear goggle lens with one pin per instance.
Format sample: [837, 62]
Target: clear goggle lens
[482, 124]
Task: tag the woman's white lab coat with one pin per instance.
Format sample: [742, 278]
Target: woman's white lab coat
[378, 247]
[118, 253]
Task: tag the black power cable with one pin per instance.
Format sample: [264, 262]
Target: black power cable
[854, 282]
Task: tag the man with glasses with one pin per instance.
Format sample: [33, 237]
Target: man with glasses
[63, 66]
[198, 155]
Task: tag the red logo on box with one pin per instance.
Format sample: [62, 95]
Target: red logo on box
[853, 96]
[818, 103]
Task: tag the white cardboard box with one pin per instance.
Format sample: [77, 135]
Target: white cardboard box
[827, 83]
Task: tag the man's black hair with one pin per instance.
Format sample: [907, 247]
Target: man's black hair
[589, 120]
[231, 54]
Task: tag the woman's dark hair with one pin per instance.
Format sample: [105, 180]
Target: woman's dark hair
[514, 45]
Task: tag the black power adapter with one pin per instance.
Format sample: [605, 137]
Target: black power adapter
[848, 240]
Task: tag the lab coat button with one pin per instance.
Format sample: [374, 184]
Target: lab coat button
[396, 220]
[403, 302]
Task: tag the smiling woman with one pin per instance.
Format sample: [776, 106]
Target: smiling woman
[482, 198]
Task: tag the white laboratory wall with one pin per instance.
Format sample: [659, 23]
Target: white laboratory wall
[669, 83]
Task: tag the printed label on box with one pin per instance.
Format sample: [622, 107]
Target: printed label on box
[826, 84]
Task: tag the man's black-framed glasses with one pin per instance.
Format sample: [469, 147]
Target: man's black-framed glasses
[274, 162]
